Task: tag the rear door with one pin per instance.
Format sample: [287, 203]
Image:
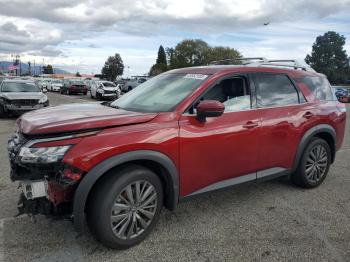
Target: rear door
[285, 115]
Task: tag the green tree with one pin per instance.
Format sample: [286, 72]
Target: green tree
[221, 53]
[197, 53]
[161, 59]
[190, 52]
[113, 67]
[170, 56]
[329, 57]
[48, 69]
[161, 63]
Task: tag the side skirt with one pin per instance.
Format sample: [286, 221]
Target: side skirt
[262, 175]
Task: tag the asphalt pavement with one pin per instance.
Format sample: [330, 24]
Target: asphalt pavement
[270, 221]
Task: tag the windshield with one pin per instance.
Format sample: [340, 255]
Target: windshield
[108, 84]
[77, 82]
[161, 93]
[19, 87]
[57, 82]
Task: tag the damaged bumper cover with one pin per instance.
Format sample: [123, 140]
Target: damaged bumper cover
[47, 184]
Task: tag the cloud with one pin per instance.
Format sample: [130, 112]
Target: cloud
[148, 15]
[80, 29]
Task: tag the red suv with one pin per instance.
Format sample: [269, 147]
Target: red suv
[182, 133]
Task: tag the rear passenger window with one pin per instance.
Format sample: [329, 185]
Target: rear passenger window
[275, 90]
[319, 86]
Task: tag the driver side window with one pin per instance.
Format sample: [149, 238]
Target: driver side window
[233, 92]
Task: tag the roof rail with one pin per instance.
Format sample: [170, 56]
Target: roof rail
[280, 63]
[262, 61]
[247, 59]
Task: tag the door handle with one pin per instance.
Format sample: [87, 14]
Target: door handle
[308, 115]
[250, 124]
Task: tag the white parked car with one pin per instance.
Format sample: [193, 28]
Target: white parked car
[46, 83]
[55, 85]
[104, 90]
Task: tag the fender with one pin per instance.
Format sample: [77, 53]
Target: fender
[323, 128]
[88, 181]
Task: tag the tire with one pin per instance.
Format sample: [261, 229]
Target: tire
[108, 192]
[2, 111]
[311, 173]
[129, 88]
[98, 96]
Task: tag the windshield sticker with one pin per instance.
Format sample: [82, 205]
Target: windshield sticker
[196, 76]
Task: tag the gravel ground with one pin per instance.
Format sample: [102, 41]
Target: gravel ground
[270, 221]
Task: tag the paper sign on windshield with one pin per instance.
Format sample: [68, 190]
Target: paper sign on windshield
[196, 76]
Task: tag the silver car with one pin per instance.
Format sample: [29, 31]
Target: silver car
[104, 90]
[19, 96]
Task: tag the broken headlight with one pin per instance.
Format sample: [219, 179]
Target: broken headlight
[44, 155]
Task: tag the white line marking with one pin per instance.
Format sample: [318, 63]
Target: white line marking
[343, 150]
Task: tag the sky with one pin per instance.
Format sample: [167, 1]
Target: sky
[79, 35]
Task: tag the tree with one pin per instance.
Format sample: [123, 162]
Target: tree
[329, 57]
[197, 53]
[48, 69]
[189, 53]
[113, 67]
[161, 64]
[170, 56]
[77, 74]
[161, 59]
[221, 53]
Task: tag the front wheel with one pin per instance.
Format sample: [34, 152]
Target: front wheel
[314, 164]
[2, 111]
[125, 206]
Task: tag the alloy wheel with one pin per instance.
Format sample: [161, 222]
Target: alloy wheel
[134, 209]
[316, 163]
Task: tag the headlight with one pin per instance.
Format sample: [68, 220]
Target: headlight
[100, 90]
[5, 100]
[43, 100]
[43, 155]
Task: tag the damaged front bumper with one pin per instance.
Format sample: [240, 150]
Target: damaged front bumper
[47, 188]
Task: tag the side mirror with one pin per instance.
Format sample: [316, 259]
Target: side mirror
[209, 108]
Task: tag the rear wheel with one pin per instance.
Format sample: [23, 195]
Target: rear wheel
[314, 164]
[125, 206]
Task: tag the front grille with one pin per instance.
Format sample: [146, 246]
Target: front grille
[109, 92]
[25, 102]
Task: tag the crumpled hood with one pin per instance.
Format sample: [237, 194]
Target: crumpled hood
[74, 117]
[23, 95]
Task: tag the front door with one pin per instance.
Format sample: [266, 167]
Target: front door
[221, 151]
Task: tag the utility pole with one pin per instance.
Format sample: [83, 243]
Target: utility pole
[29, 69]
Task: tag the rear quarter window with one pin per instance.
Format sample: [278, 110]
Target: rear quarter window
[319, 87]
